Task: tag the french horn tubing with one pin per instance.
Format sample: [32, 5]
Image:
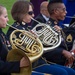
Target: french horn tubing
[70, 16]
[49, 37]
[24, 44]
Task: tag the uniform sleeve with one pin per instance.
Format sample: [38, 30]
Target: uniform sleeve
[61, 47]
[59, 50]
[9, 67]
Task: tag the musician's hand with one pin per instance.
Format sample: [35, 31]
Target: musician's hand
[68, 56]
[57, 28]
[24, 62]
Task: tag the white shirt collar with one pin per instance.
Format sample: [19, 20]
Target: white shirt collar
[46, 18]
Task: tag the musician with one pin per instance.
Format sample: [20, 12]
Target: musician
[59, 55]
[22, 18]
[43, 17]
[7, 67]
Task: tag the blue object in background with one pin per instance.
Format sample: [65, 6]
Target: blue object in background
[65, 1]
[70, 7]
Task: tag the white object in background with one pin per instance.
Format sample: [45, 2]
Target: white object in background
[67, 25]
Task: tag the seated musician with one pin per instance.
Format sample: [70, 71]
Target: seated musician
[60, 54]
[43, 16]
[22, 18]
[6, 68]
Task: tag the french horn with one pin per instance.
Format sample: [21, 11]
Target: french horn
[49, 37]
[24, 44]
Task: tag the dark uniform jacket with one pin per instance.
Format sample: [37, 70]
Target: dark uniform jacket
[6, 67]
[40, 19]
[19, 26]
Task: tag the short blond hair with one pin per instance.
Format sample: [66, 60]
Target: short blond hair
[1, 9]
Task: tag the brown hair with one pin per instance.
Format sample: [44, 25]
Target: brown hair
[19, 9]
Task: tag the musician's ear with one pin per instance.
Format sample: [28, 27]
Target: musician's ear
[56, 11]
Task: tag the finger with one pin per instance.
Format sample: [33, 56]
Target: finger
[71, 60]
[58, 29]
